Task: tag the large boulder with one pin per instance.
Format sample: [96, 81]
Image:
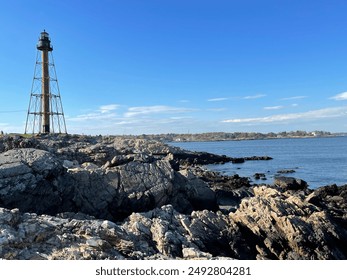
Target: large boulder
[229, 190]
[114, 193]
[41, 182]
[198, 192]
[28, 180]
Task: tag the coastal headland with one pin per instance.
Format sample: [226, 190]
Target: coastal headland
[113, 197]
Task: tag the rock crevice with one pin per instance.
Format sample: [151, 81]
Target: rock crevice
[80, 197]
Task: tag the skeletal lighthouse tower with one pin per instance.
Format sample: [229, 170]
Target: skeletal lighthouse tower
[45, 112]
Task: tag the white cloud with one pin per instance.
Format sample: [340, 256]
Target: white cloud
[180, 118]
[217, 109]
[273, 108]
[159, 109]
[93, 116]
[9, 128]
[105, 112]
[126, 122]
[294, 97]
[217, 99]
[341, 96]
[108, 108]
[254, 96]
[315, 114]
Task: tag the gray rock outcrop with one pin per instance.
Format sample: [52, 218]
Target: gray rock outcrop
[54, 180]
[284, 225]
[290, 183]
[28, 178]
[81, 197]
[271, 225]
[160, 234]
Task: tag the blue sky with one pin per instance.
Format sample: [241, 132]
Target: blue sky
[154, 66]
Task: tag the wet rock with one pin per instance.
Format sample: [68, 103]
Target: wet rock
[199, 158]
[290, 183]
[238, 160]
[242, 160]
[286, 171]
[258, 158]
[259, 176]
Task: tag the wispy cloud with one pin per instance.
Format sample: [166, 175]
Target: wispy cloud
[180, 118]
[126, 122]
[217, 99]
[341, 96]
[108, 108]
[273, 107]
[109, 113]
[254, 96]
[158, 109]
[104, 112]
[217, 109]
[294, 97]
[93, 116]
[280, 107]
[315, 114]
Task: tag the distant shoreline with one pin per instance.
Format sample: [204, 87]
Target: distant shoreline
[236, 136]
[217, 136]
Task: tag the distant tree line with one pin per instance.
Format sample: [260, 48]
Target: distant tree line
[225, 136]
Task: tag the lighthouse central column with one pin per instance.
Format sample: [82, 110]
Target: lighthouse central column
[45, 93]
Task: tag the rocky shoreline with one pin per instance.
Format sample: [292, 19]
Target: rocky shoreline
[82, 197]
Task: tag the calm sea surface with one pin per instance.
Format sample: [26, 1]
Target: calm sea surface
[318, 161]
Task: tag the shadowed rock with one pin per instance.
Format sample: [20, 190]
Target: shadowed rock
[53, 180]
[290, 183]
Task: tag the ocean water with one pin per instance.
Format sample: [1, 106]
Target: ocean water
[318, 161]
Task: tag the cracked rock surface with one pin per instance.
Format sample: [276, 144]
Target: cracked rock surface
[82, 197]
